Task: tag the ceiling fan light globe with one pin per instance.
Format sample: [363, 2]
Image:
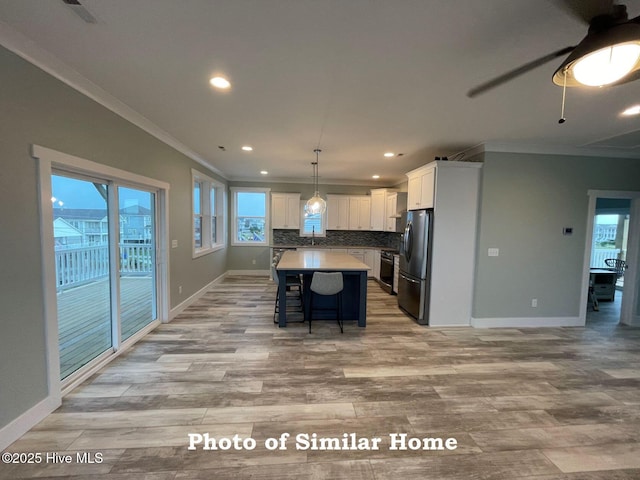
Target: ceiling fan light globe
[607, 65]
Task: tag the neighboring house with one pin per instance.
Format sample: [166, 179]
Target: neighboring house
[65, 234]
[91, 223]
[136, 225]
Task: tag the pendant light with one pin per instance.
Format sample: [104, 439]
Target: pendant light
[316, 204]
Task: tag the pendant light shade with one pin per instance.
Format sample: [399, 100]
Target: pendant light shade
[316, 204]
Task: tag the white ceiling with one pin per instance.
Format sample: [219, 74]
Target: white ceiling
[357, 77]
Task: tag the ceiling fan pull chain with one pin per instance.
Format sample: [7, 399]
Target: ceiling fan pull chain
[564, 92]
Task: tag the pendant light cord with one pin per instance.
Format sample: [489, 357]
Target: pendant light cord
[564, 92]
[316, 169]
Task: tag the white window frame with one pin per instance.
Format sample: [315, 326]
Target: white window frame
[234, 216]
[207, 184]
[323, 223]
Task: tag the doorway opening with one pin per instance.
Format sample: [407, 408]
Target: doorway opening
[608, 249]
[612, 247]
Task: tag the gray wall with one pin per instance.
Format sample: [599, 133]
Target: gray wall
[38, 109]
[526, 200]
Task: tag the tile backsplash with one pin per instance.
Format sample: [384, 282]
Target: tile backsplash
[340, 238]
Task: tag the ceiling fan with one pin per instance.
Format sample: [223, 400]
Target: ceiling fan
[608, 55]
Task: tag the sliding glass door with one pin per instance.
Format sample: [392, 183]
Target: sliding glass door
[137, 259]
[105, 244]
[81, 235]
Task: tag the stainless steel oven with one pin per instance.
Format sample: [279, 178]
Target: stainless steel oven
[386, 270]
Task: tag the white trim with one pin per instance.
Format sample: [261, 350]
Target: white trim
[527, 322]
[162, 256]
[629, 314]
[21, 425]
[80, 165]
[234, 211]
[549, 149]
[250, 273]
[48, 273]
[208, 183]
[182, 306]
[613, 194]
[43, 59]
[586, 259]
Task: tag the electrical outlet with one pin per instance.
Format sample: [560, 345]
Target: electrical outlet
[534, 302]
[253, 261]
[174, 243]
[179, 288]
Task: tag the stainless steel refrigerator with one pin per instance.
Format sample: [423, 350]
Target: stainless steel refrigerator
[415, 264]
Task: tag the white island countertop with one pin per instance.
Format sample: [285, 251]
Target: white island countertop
[319, 260]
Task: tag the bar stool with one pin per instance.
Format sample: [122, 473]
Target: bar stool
[327, 283]
[292, 283]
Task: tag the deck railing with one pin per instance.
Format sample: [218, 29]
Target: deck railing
[599, 255]
[81, 265]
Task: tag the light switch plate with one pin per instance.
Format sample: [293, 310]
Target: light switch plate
[493, 252]
[174, 243]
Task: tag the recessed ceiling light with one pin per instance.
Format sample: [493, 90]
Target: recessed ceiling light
[263, 172]
[389, 154]
[220, 82]
[375, 177]
[247, 148]
[635, 110]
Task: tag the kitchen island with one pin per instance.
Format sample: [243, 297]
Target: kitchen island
[305, 263]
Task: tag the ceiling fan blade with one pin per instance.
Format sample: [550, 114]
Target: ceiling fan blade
[474, 92]
[586, 10]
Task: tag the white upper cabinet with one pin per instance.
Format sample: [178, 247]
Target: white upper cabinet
[360, 213]
[386, 207]
[285, 210]
[378, 209]
[421, 187]
[337, 212]
[396, 203]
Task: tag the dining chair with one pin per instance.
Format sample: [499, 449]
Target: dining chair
[616, 264]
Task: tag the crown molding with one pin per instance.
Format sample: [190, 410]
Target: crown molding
[553, 150]
[388, 183]
[27, 49]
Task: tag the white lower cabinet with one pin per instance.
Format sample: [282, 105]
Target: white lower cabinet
[369, 259]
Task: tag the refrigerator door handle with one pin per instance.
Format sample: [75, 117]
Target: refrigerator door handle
[404, 277]
[408, 241]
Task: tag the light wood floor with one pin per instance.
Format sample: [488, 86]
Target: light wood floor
[528, 404]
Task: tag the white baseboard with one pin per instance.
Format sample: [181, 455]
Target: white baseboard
[25, 422]
[252, 273]
[527, 322]
[178, 309]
